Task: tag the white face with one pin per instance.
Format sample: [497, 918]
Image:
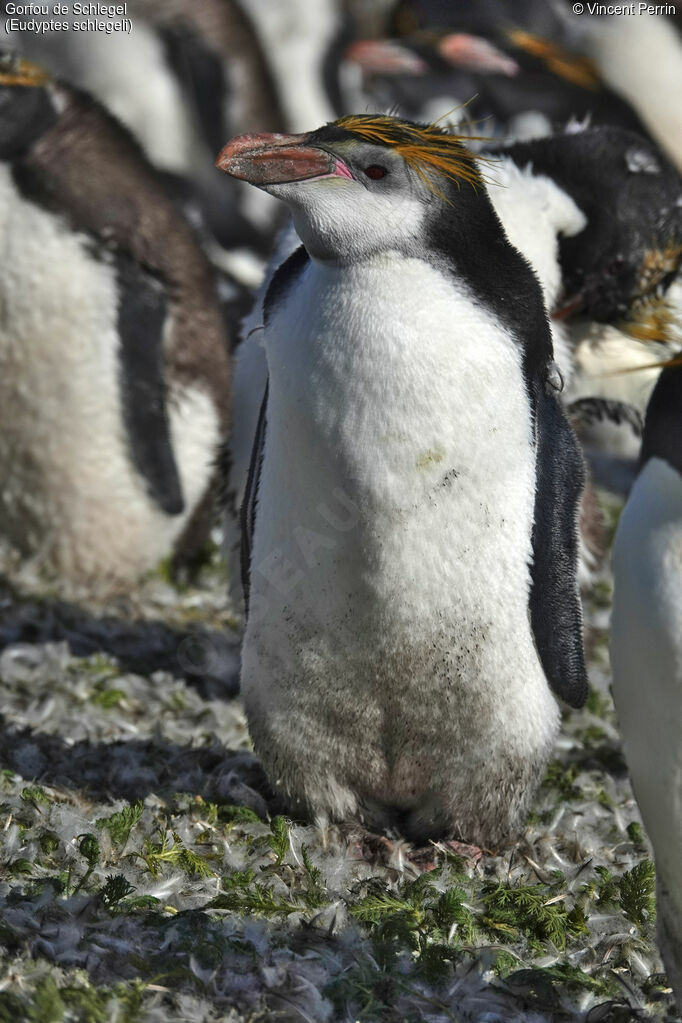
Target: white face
[345, 219]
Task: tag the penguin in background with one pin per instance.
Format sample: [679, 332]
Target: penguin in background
[114, 390]
[410, 544]
[646, 650]
[186, 76]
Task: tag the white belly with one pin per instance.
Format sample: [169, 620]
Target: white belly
[388, 647]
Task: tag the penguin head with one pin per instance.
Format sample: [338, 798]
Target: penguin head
[26, 108]
[362, 185]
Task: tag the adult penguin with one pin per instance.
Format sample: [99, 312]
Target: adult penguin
[410, 540]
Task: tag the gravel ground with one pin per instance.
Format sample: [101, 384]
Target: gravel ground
[138, 880]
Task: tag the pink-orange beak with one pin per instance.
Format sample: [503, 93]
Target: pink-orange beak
[276, 159]
[472, 52]
[385, 57]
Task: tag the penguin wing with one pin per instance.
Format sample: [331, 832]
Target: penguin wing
[248, 509]
[555, 609]
[141, 319]
[283, 277]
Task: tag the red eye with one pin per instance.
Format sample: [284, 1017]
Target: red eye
[375, 172]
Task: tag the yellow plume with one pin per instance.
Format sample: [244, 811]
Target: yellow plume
[20, 72]
[578, 70]
[425, 148]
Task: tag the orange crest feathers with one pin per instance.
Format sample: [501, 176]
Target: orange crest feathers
[427, 149]
[578, 70]
[17, 71]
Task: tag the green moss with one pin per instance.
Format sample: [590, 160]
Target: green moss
[598, 704]
[170, 850]
[238, 814]
[562, 778]
[36, 796]
[106, 698]
[637, 893]
[535, 910]
[20, 867]
[279, 838]
[11, 1008]
[116, 888]
[636, 834]
[120, 824]
[46, 1005]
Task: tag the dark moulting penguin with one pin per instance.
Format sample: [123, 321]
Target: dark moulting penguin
[410, 539]
[115, 372]
[627, 253]
[646, 650]
[620, 273]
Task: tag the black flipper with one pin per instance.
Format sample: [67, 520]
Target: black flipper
[141, 318]
[248, 510]
[555, 609]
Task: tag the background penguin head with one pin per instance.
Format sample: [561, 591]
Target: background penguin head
[26, 109]
[363, 184]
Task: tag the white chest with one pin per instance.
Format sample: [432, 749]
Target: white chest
[395, 401]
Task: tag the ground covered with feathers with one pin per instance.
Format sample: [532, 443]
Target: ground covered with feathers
[140, 882]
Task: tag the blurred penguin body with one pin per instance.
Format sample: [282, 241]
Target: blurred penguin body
[646, 651]
[113, 394]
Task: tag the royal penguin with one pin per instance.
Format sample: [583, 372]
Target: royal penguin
[646, 650]
[410, 523]
[114, 390]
